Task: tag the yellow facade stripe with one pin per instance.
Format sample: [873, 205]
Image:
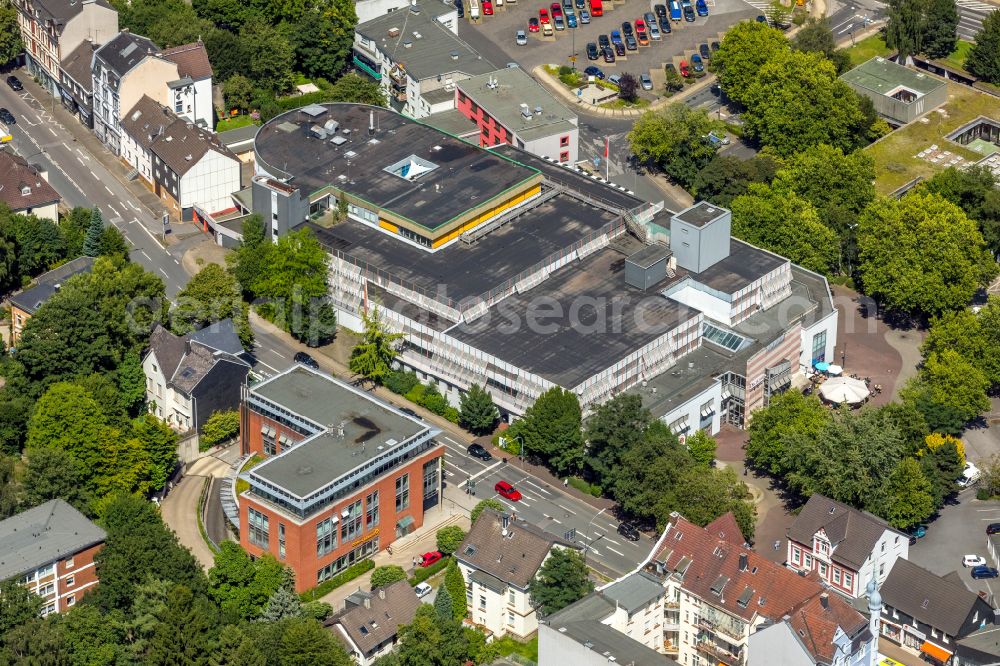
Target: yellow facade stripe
[388, 226]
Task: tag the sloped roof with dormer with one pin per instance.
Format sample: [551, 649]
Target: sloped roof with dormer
[852, 533]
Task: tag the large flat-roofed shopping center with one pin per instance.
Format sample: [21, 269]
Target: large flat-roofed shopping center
[516, 273]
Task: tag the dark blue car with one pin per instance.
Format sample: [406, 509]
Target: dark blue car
[702, 8]
[594, 71]
[984, 572]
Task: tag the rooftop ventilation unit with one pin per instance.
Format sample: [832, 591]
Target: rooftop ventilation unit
[525, 111]
[338, 140]
[453, 55]
[318, 132]
[407, 44]
[331, 126]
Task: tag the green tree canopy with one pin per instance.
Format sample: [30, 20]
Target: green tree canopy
[727, 177]
[220, 426]
[614, 428]
[482, 505]
[186, 631]
[921, 254]
[387, 575]
[92, 241]
[561, 580]
[674, 138]
[701, 447]
[784, 223]
[372, 358]
[702, 496]
[477, 413]
[551, 430]
[211, 296]
[904, 30]
[10, 34]
[241, 586]
[949, 390]
[352, 88]
[974, 190]
[454, 581]
[815, 36]
[788, 414]
[940, 28]
[974, 335]
[984, 57]
[909, 496]
[747, 47]
[449, 538]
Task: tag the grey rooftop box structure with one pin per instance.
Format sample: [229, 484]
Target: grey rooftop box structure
[699, 236]
[899, 93]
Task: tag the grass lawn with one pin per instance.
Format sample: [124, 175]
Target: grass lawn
[241, 484]
[957, 58]
[233, 123]
[895, 155]
[867, 49]
[622, 104]
[509, 646]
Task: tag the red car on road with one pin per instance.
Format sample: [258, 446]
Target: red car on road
[507, 491]
[430, 558]
[543, 15]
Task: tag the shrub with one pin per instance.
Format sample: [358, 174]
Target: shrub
[450, 538]
[423, 573]
[401, 381]
[219, 427]
[387, 575]
[585, 487]
[345, 576]
[565, 69]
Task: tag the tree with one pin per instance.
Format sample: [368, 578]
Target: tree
[482, 505]
[304, 642]
[784, 223]
[15, 409]
[220, 427]
[18, 605]
[949, 391]
[974, 335]
[628, 87]
[747, 47]
[283, 604]
[702, 496]
[323, 38]
[294, 286]
[989, 476]
[267, 55]
[942, 463]
[39, 244]
[443, 604]
[815, 36]
[561, 580]
[387, 575]
[241, 586]
[238, 93]
[372, 358]
[797, 101]
[9, 490]
[130, 381]
[431, 641]
[187, 629]
[672, 80]
[701, 446]
[788, 414]
[113, 244]
[477, 413]
[647, 470]
[139, 546]
[454, 581]
[209, 297]
[92, 242]
[904, 30]
[550, 430]
[940, 28]
[248, 263]
[727, 177]
[352, 88]
[674, 139]
[984, 56]
[921, 254]
[10, 34]
[974, 190]
[909, 496]
[614, 428]
[73, 228]
[449, 538]
[159, 442]
[54, 474]
[778, 14]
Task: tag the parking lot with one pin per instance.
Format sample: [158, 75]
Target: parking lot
[493, 36]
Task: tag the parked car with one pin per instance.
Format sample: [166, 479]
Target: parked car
[675, 10]
[629, 531]
[609, 54]
[685, 72]
[969, 475]
[14, 83]
[660, 10]
[477, 451]
[702, 7]
[985, 572]
[615, 79]
[7, 117]
[602, 41]
[506, 490]
[715, 46]
[581, 4]
[616, 37]
[596, 8]
[630, 43]
[301, 358]
[570, 19]
[487, 8]
[430, 558]
[532, 24]
[973, 561]
[556, 9]
[592, 52]
[670, 67]
[543, 16]
[697, 63]
[422, 590]
[640, 25]
[619, 48]
[664, 23]
[584, 17]
[558, 22]
[410, 412]
[721, 139]
[642, 37]
[706, 54]
[567, 4]
[651, 27]
[547, 30]
[520, 38]
[627, 28]
[689, 13]
[993, 528]
[645, 81]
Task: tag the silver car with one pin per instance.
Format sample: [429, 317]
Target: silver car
[521, 38]
[645, 81]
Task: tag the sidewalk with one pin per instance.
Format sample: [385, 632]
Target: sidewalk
[403, 551]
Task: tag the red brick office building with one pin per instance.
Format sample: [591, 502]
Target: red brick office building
[346, 474]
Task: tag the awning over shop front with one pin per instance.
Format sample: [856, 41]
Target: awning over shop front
[938, 653]
[405, 522]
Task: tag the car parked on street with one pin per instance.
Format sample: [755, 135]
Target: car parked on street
[973, 561]
[14, 83]
[7, 117]
[985, 572]
[430, 558]
[629, 531]
[993, 528]
[477, 451]
[301, 358]
[506, 490]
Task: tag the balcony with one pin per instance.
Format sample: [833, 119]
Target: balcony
[718, 627]
[723, 655]
[671, 647]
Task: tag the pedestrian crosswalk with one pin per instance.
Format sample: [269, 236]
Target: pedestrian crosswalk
[757, 4]
[975, 5]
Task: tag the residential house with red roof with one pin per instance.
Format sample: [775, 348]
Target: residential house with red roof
[719, 592]
[844, 546]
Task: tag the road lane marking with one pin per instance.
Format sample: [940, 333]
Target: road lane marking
[150, 233]
[612, 541]
[566, 510]
[556, 520]
[112, 207]
[537, 486]
[488, 469]
[523, 503]
[134, 207]
[93, 174]
[164, 273]
[279, 354]
[109, 190]
[52, 131]
[615, 551]
[148, 258]
[177, 262]
[267, 365]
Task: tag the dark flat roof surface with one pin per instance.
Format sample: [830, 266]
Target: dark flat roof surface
[745, 264]
[466, 175]
[700, 214]
[467, 271]
[567, 349]
[571, 177]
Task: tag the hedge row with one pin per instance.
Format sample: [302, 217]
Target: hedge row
[422, 574]
[345, 576]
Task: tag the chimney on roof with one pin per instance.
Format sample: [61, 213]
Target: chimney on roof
[371, 123]
[368, 601]
[824, 600]
[744, 561]
[381, 593]
[504, 523]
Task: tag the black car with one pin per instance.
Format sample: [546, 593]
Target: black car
[603, 41]
[7, 117]
[620, 48]
[993, 528]
[303, 358]
[715, 46]
[629, 531]
[661, 10]
[410, 412]
[664, 25]
[627, 28]
[630, 43]
[14, 83]
[461, 8]
[689, 13]
[706, 54]
[985, 572]
[609, 54]
[592, 51]
[477, 451]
